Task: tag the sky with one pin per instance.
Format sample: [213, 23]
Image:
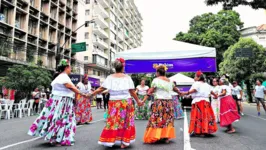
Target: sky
[163, 19]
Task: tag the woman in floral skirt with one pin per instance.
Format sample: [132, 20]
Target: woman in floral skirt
[120, 126]
[161, 122]
[202, 119]
[142, 112]
[83, 105]
[177, 106]
[57, 122]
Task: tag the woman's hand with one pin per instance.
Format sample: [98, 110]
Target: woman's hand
[140, 103]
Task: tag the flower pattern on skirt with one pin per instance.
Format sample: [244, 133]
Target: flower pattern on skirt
[120, 126]
[177, 107]
[56, 122]
[142, 112]
[202, 119]
[83, 110]
[161, 121]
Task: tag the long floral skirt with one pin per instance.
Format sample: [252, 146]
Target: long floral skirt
[216, 109]
[142, 112]
[161, 122]
[177, 107]
[83, 110]
[202, 119]
[228, 111]
[120, 126]
[56, 122]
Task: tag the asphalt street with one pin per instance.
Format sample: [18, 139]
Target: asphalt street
[250, 135]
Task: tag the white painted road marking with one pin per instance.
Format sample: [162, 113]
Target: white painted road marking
[37, 138]
[256, 117]
[187, 145]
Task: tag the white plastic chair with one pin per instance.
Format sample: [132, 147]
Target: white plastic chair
[7, 108]
[30, 107]
[0, 111]
[18, 109]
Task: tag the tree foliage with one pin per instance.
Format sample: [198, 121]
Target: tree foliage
[247, 69]
[230, 4]
[214, 30]
[26, 78]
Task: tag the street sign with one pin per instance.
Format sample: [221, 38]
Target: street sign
[244, 52]
[78, 47]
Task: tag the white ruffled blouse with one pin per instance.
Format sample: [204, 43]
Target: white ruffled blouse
[118, 87]
[58, 87]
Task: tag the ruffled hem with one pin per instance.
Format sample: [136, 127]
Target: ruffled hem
[117, 142]
[152, 135]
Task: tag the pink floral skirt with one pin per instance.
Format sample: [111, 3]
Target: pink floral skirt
[56, 122]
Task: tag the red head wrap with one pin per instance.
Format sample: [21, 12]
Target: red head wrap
[122, 60]
[198, 73]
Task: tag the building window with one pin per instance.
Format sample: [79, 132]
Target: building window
[99, 73]
[94, 72]
[86, 58]
[87, 1]
[87, 12]
[86, 35]
[262, 38]
[86, 71]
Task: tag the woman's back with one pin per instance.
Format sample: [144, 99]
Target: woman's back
[163, 88]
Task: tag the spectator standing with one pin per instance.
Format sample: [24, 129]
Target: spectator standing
[259, 94]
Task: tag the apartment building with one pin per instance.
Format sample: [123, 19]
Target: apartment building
[258, 34]
[117, 28]
[37, 31]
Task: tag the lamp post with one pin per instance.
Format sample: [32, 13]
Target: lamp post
[58, 54]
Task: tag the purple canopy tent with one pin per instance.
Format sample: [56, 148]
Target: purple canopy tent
[177, 56]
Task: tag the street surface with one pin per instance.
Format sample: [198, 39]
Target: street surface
[251, 135]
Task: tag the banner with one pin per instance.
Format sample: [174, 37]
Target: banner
[184, 88]
[174, 65]
[75, 78]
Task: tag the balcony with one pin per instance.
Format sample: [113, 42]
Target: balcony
[120, 13]
[130, 41]
[100, 42]
[120, 45]
[120, 36]
[100, 21]
[114, 3]
[99, 31]
[104, 3]
[100, 10]
[99, 52]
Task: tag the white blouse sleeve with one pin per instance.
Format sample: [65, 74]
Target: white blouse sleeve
[63, 79]
[154, 83]
[89, 86]
[195, 86]
[107, 83]
[131, 83]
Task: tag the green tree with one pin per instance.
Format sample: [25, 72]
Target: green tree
[214, 30]
[26, 78]
[245, 69]
[230, 4]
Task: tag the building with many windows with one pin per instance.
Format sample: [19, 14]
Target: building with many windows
[117, 28]
[38, 31]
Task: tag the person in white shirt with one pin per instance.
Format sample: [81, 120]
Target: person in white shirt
[57, 122]
[142, 112]
[83, 105]
[237, 94]
[259, 94]
[228, 108]
[161, 122]
[120, 126]
[215, 101]
[200, 91]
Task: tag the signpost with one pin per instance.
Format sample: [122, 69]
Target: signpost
[244, 53]
[78, 47]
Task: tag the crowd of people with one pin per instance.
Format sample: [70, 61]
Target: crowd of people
[69, 105]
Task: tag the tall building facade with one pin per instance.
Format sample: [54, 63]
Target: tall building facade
[38, 31]
[117, 27]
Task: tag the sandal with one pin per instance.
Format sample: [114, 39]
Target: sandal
[231, 131]
[123, 146]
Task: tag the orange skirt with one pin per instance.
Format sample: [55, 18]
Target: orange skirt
[120, 126]
[202, 119]
[161, 122]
